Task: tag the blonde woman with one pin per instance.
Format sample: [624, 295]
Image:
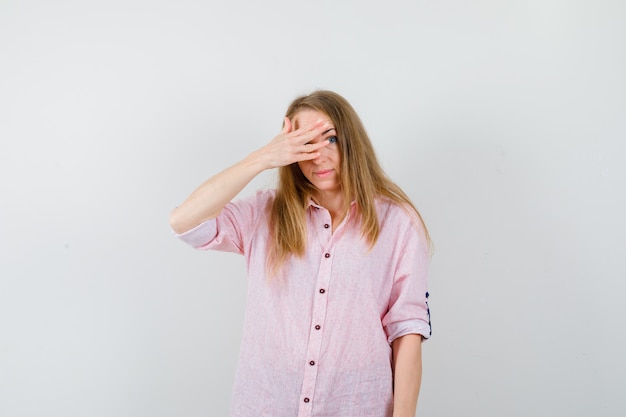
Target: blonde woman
[337, 257]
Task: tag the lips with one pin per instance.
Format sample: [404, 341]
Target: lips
[323, 173]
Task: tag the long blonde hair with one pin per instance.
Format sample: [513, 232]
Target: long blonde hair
[362, 180]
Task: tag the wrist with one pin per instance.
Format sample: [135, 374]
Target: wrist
[257, 162]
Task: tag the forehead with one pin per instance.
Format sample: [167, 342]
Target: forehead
[306, 117]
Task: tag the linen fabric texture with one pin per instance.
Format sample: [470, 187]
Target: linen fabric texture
[317, 336]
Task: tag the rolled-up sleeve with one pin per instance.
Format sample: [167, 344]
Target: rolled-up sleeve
[200, 236]
[408, 311]
[233, 228]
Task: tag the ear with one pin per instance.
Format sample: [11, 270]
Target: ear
[286, 125]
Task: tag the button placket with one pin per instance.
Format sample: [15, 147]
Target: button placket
[320, 223]
[320, 304]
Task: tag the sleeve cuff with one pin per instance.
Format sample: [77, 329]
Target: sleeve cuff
[200, 235]
[401, 328]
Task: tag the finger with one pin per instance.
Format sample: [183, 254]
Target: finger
[314, 147]
[308, 134]
[306, 156]
[319, 123]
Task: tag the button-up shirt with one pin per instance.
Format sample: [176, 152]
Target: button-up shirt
[317, 336]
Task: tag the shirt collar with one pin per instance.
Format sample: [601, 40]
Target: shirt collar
[312, 203]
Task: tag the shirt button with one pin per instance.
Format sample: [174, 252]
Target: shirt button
[312, 363]
[306, 400]
[322, 290]
[326, 226]
[317, 327]
[327, 255]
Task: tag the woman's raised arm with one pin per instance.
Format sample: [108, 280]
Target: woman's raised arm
[209, 199]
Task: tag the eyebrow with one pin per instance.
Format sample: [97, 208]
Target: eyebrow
[332, 128]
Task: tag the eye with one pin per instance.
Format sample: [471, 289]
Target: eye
[332, 139]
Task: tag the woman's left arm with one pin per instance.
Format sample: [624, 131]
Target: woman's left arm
[407, 374]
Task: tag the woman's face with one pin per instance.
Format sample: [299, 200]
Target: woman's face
[324, 172]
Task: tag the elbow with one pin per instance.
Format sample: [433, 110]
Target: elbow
[183, 219]
[175, 221]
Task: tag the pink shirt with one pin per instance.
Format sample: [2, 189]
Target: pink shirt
[316, 338]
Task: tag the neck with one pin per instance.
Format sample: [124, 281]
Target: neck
[333, 202]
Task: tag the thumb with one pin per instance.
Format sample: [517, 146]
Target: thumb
[286, 125]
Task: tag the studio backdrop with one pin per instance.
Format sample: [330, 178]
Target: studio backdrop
[504, 121]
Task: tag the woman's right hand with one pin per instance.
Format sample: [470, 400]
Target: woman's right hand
[294, 145]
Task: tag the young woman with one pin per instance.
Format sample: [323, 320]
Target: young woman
[337, 262]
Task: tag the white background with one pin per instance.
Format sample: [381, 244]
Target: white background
[503, 120]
